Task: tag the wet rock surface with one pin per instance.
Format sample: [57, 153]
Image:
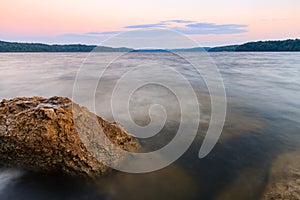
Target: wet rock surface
[284, 181]
[57, 135]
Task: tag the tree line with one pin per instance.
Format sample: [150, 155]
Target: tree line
[38, 47]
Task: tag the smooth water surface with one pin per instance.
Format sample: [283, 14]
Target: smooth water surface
[263, 122]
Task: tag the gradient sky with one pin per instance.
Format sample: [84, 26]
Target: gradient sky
[210, 23]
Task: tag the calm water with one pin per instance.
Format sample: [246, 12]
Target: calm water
[263, 122]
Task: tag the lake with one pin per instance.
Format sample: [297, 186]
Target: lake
[261, 127]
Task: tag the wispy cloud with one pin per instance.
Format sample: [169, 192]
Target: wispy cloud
[211, 28]
[93, 33]
[157, 25]
[215, 26]
[183, 26]
[95, 37]
[191, 27]
[110, 32]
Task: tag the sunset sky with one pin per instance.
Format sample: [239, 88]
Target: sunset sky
[210, 23]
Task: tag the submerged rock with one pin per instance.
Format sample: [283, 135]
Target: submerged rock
[57, 135]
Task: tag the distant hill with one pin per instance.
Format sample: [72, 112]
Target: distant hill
[223, 48]
[279, 45]
[38, 47]
[283, 45]
[195, 49]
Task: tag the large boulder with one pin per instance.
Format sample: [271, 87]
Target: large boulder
[57, 135]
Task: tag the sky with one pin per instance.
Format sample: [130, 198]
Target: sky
[209, 23]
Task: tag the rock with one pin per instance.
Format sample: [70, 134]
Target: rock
[284, 178]
[57, 135]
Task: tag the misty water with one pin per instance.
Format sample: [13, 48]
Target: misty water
[262, 123]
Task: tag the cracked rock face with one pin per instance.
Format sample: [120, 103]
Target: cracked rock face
[57, 135]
